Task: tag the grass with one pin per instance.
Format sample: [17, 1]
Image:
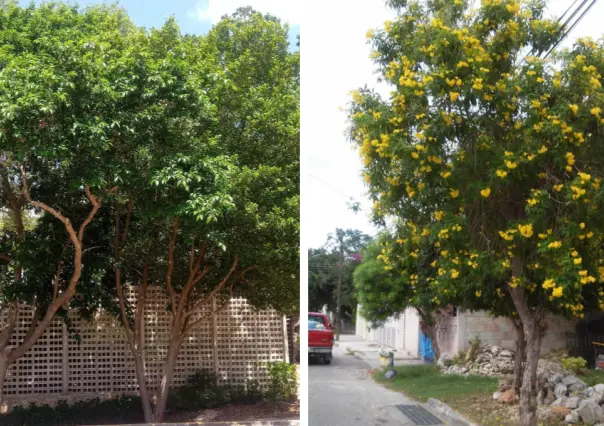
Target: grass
[472, 396]
[422, 382]
[592, 377]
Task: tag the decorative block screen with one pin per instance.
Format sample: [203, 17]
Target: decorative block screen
[95, 358]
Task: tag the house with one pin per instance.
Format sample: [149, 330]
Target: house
[457, 331]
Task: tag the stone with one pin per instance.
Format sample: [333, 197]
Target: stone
[549, 398]
[497, 395]
[390, 374]
[560, 390]
[560, 411]
[445, 360]
[572, 402]
[541, 397]
[506, 354]
[508, 396]
[572, 418]
[555, 378]
[571, 380]
[599, 388]
[589, 412]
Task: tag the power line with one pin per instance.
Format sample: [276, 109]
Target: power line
[563, 26]
[331, 187]
[572, 26]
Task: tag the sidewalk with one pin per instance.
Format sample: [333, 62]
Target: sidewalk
[370, 351]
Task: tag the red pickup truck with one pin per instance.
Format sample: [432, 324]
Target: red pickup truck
[320, 337]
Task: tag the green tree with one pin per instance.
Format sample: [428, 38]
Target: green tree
[323, 271]
[492, 156]
[56, 120]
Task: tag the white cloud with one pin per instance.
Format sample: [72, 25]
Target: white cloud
[214, 10]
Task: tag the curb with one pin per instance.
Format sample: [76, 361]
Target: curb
[447, 411]
[252, 423]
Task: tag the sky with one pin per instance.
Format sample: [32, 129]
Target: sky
[198, 16]
[335, 60]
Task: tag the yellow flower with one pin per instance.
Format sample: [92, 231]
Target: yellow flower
[595, 111]
[508, 153]
[501, 173]
[510, 164]
[369, 34]
[454, 96]
[532, 201]
[558, 187]
[555, 244]
[577, 261]
[589, 234]
[584, 177]
[444, 253]
[526, 230]
[557, 292]
[582, 225]
[543, 149]
[454, 193]
[478, 293]
[570, 158]
[574, 108]
[575, 253]
[445, 174]
[454, 273]
[485, 192]
[438, 215]
[415, 155]
[549, 283]
[542, 236]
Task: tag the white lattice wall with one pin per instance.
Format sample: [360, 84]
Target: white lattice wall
[233, 344]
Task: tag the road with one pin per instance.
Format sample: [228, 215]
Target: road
[343, 394]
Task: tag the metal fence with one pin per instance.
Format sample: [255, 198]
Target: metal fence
[581, 344]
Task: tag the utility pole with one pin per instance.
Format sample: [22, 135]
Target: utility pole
[339, 295]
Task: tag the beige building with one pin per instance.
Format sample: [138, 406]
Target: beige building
[456, 332]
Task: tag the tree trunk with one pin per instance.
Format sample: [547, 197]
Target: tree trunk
[4, 364]
[531, 320]
[430, 331]
[520, 355]
[142, 387]
[166, 381]
[528, 390]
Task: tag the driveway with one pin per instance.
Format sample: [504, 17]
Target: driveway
[344, 394]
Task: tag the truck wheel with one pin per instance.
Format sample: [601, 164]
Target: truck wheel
[327, 360]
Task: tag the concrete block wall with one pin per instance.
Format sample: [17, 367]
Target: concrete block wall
[501, 332]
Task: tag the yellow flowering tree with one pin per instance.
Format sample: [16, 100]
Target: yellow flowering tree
[493, 155]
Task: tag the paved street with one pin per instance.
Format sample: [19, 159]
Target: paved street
[343, 393]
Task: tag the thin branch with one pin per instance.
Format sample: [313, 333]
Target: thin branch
[34, 323]
[57, 280]
[128, 219]
[6, 257]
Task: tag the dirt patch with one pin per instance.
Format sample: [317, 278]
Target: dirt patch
[487, 412]
[265, 410]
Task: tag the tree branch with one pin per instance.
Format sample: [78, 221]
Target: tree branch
[128, 219]
[6, 257]
[171, 291]
[11, 321]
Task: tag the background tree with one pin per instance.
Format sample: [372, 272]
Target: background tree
[323, 271]
[476, 140]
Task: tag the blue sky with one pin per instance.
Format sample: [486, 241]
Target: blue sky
[198, 16]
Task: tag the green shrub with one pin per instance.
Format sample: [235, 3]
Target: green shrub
[574, 364]
[283, 381]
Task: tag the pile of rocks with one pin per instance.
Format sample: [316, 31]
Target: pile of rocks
[565, 394]
[490, 361]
